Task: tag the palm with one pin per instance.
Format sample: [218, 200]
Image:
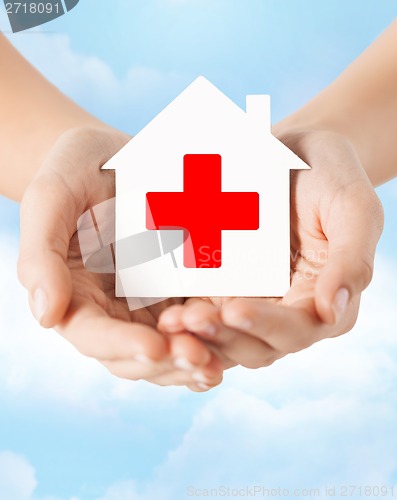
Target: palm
[326, 206]
[309, 246]
[99, 290]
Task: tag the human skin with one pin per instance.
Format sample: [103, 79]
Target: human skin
[56, 173]
[347, 135]
[324, 254]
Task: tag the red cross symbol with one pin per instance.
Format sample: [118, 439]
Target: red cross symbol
[203, 210]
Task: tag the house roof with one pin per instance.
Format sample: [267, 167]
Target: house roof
[201, 100]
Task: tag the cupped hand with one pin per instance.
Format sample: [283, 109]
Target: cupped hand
[336, 221]
[81, 305]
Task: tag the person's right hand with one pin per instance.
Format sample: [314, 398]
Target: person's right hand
[81, 305]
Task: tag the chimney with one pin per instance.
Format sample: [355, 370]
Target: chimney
[258, 110]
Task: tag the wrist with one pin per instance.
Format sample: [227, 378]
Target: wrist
[305, 122]
[310, 123]
[308, 139]
[16, 186]
[301, 128]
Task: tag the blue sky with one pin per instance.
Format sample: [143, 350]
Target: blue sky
[70, 431]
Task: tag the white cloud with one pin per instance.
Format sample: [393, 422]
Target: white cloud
[38, 363]
[291, 446]
[122, 490]
[126, 103]
[366, 357]
[238, 440]
[325, 416]
[29, 353]
[17, 477]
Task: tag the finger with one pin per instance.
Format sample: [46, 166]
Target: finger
[49, 212]
[212, 373]
[201, 317]
[354, 225]
[165, 373]
[199, 387]
[206, 378]
[209, 375]
[285, 329]
[46, 228]
[96, 335]
[144, 370]
[156, 309]
[188, 352]
[204, 319]
[170, 320]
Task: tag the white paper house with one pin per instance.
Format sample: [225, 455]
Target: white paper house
[203, 121]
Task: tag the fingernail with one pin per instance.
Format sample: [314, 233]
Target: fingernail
[172, 329]
[208, 328]
[241, 323]
[40, 304]
[205, 387]
[170, 325]
[142, 358]
[183, 364]
[340, 303]
[200, 377]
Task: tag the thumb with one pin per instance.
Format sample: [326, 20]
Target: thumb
[354, 225]
[48, 213]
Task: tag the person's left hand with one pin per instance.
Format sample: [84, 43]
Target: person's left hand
[336, 221]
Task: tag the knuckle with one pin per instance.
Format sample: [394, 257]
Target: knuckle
[366, 267]
[272, 359]
[302, 341]
[79, 134]
[115, 372]
[22, 269]
[262, 361]
[40, 185]
[241, 311]
[120, 372]
[160, 382]
[87, 352]
[254, 364]
[377, 210]
[349, 322]
[110, 367]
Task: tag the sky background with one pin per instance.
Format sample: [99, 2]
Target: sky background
[323, 417]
